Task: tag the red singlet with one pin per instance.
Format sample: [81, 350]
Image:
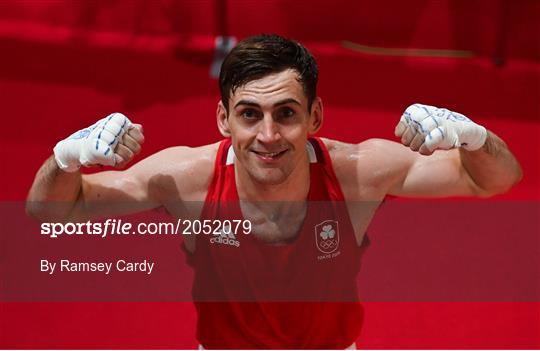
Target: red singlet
[249, 294]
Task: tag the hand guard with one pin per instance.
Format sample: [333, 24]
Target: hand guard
[428, 128]
[94, 145]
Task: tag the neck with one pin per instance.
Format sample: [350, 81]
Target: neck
[294, 188]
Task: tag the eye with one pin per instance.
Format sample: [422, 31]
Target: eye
[286, 112]
[249, 113]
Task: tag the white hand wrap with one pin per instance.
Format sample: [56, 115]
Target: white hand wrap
[93, 145]
[444, 129]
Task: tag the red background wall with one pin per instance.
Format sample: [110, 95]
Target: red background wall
[65, 64]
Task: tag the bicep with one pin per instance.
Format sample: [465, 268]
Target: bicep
[173, 175]
[394, 169]
[123, 192]
[438, 175]
[113, 186]
[111, 193]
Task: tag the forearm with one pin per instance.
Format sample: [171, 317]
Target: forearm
[492, 168]
[54, 192]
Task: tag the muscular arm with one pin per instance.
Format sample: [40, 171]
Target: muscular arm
[164, 176]
[485, 172]
[462, 157]
[61, 196]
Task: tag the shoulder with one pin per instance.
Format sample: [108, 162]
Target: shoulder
[367, 169]
[339, 148]
[371, 153]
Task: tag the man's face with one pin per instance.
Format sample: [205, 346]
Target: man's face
[269, 123]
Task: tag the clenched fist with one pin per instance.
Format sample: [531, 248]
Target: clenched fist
[111, 141]
[426, 128]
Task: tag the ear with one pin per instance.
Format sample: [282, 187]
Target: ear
[316, 116]
[223, 120]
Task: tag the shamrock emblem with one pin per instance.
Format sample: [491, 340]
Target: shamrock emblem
[328, 232]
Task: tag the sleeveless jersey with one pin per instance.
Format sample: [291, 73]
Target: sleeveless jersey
[303, 294]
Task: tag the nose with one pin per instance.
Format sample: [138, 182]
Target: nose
[268, 130]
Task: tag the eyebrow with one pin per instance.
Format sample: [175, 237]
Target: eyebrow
[279, 103]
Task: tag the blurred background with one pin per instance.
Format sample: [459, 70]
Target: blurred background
[65, 64]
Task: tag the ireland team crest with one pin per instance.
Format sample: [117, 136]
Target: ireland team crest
[327, 236]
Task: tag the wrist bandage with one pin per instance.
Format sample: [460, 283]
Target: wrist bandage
[444, 129]
[93, 145]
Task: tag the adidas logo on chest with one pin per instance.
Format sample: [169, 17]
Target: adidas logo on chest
[225, 237]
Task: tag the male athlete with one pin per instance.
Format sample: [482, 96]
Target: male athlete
[269, 170]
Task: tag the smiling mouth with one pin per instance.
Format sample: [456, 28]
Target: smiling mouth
[269, 156]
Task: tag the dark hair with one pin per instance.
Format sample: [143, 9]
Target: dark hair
[260, 55]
